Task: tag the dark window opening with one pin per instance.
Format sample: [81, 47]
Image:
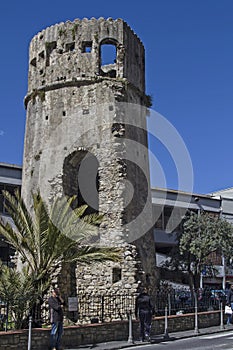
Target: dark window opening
[49, 49]
[81, 178]
[41, 54]
[70, 47]
[47, 117]
[116, 274]
[111, 73]
[33, 62]
[64, 113]
[87, 46]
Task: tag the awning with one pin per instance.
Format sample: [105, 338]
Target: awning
[184, 205]
[10, 180]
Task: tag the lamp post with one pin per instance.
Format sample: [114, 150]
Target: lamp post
[223, 273]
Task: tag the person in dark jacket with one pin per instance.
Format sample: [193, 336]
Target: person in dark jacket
[56, 303]
[144, 311]
[230, 303]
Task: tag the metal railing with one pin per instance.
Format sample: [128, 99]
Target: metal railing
[183, 301]
[93, 308]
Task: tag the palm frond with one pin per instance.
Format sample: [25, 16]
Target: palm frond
[73, 223]
[48, 238]
[19, 213]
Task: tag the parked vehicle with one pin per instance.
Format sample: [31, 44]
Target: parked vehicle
[218, 295]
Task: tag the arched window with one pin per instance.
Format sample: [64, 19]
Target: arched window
[108, 54]
[108, 57]
[81, 178]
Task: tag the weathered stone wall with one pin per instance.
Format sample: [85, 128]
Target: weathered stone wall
[104, 332]
[85, 116]
[59, 53]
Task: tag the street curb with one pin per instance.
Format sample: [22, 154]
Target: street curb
[156, 340]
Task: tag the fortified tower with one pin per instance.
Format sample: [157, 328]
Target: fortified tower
[86, 135]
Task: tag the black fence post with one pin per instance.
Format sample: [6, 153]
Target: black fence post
[102, 308]
[169, 303]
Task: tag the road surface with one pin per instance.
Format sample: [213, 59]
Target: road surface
[220, 341]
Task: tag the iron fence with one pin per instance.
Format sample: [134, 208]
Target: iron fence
[183, 301]
[94, 308]
[105, 308]
[12, 318]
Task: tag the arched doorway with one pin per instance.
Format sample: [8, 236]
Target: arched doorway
[81, 178]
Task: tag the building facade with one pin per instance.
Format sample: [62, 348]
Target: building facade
[226, 196]
[10, 180]
[169, 207]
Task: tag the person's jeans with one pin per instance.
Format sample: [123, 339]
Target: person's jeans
[145, 318]
[56, 335]
[229, 318]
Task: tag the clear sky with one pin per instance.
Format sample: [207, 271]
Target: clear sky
[189, 73]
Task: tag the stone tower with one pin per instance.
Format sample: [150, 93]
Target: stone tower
[86, 135]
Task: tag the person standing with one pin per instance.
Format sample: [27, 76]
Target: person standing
[230, 303]
[56, 303]
[144, 311]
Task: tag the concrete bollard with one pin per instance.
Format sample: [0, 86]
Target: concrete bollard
[196, 330]
[130, 338]
[30, 333]
[166, 335]
[221, 317]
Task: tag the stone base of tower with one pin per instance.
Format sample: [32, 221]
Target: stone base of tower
[114, 286]
[111, 277]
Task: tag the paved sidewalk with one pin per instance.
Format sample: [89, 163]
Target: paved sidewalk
[116, 345]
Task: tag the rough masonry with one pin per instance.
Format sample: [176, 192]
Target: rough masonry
[86, 135]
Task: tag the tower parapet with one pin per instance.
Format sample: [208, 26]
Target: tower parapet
[73, 52]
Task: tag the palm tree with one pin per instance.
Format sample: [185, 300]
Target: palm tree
[17, 293]
[49, 237]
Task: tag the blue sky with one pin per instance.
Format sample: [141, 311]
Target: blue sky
[189, 73]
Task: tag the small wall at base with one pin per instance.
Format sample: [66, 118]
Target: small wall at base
[104, 332]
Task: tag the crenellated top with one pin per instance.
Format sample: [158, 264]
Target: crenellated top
[84, 49]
